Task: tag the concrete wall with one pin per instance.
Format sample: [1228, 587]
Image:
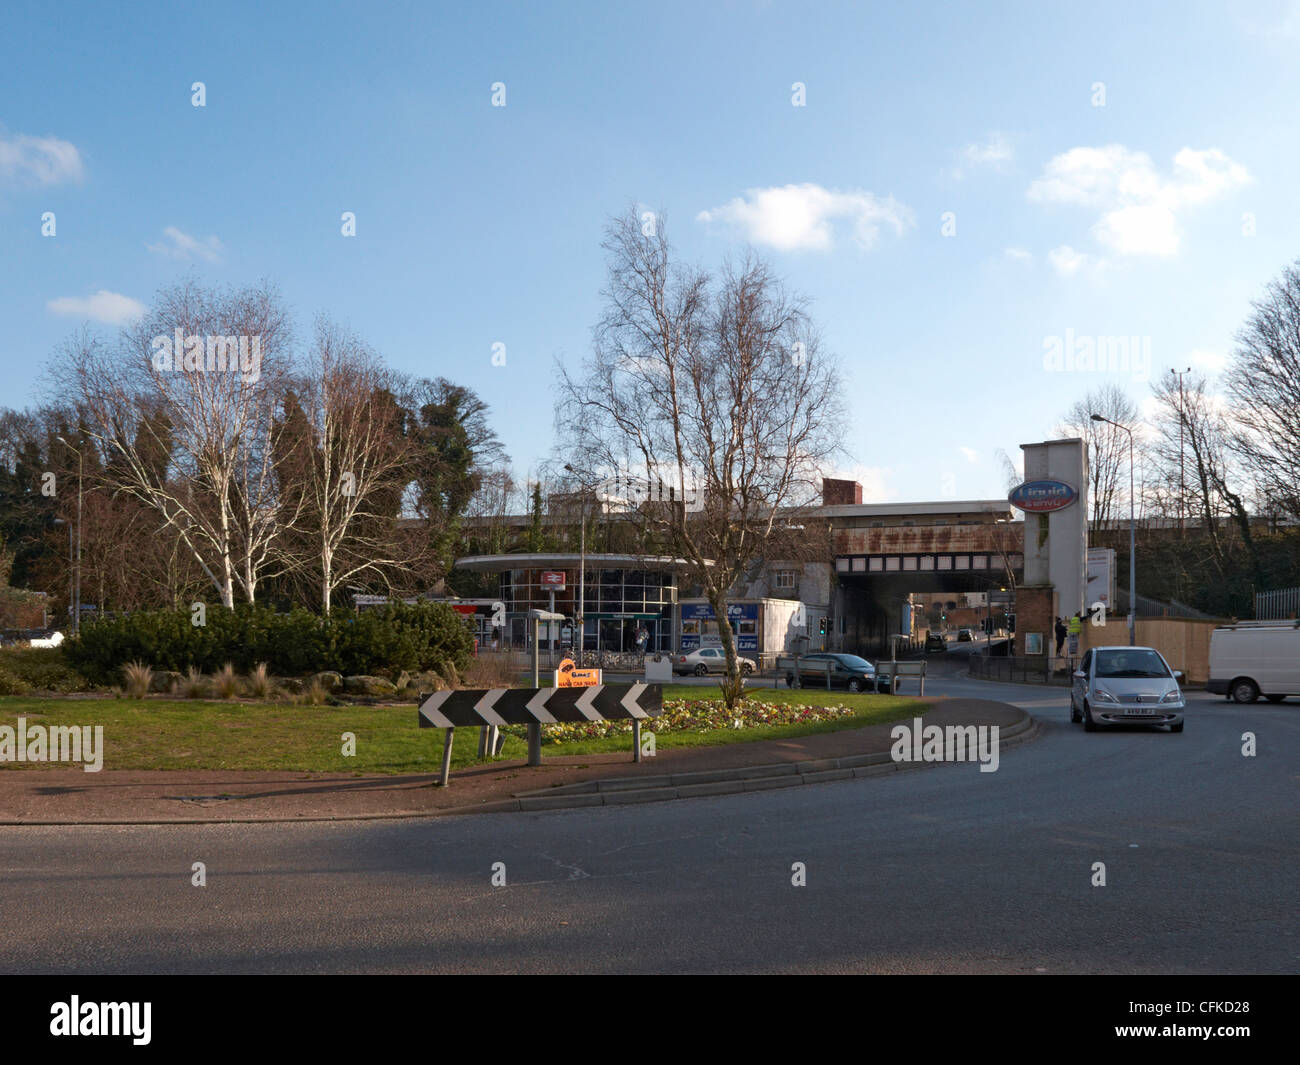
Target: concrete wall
[1185, 642]
[1056, 544]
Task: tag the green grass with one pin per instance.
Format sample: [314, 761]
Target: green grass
[191, 734]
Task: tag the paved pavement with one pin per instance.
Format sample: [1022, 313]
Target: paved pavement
[943, 871]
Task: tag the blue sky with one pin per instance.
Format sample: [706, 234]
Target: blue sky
[479, 224]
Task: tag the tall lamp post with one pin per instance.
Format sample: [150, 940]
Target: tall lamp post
[1182, 477]
[76, 617]
[1132, 535]
[579, 615]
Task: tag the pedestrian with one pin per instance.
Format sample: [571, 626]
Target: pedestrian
[1075, 626]
[1061, 633]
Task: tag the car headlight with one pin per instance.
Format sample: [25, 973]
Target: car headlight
[1103, 696]
[1173, 697]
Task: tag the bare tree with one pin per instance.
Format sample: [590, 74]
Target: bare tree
[1107, 447]
[714, 399]
[1263, 382]
[204, 370]
[1192, 435]
[485, 528]
[350, 466]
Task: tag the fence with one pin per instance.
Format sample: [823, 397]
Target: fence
[1039, 669]
[1277, 605]
[1157, 608]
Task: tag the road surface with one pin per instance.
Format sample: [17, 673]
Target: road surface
[943, 870]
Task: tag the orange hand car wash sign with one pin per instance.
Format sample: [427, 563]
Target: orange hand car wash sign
[567, 676]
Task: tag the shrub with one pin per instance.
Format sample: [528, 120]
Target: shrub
[46, 669]
[194, 685]
[259, 682]
[11, 684]
[495, 671]
[381, 642]
[137, 676]
[225, 685]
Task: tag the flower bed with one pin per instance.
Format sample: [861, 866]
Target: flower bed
[693, 715]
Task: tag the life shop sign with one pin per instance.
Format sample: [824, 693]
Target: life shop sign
[1042, 497]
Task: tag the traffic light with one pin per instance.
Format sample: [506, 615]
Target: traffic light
[987, 625]
[1011, 623]
[821, 627]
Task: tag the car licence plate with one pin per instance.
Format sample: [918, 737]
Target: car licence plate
[1139, 711]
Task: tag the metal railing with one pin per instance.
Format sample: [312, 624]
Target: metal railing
[1277, 605]
[1038, 669]
[1158, 608]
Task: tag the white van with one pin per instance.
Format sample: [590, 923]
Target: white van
[1251, 659]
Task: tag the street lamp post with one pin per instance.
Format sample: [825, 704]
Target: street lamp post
[1132, 534]
[76, 617]
[579, 617]
[1182, 477]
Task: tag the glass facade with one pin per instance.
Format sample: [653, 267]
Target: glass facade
[625, 609]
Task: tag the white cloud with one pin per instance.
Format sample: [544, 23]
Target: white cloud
[1151, 230]
[103, 306]
[1139, 207]
[180, 245]
[800, 217]
[1066, 261]
[971, 454]
[996, 152]
[39, 160]
[1020, 255]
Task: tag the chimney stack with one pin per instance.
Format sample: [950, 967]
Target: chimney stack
[840, 493]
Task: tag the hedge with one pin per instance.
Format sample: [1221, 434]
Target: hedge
[382, 641]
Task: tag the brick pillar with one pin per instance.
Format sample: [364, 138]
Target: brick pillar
[1036, 612]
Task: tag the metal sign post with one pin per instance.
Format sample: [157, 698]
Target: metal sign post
[535, 728]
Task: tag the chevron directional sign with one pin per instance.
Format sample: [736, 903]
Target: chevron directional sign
[547, 706]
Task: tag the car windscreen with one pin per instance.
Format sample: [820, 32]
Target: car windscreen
[856, 663]
[1133, 664]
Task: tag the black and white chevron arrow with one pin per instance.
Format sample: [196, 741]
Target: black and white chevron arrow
[529, 706]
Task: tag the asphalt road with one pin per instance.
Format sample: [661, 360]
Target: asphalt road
[945, 870]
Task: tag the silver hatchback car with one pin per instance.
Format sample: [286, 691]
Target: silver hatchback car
[1126, 686]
